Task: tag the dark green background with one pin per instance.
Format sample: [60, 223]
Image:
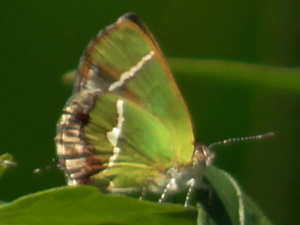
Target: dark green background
[40, 40]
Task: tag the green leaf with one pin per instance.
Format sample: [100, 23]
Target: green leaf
[203, 218]
[240, 209]
[86, 205]
[279, 78]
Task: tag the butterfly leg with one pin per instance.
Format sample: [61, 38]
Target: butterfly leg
[191, 184]
[170, 184]
[143, 192]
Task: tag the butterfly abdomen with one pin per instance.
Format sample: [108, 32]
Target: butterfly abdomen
[76, 155]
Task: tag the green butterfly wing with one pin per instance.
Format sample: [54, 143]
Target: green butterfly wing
[139, 125]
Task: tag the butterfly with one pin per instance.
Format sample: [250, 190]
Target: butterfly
[126, 128]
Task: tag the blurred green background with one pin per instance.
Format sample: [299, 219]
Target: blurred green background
[41, 40]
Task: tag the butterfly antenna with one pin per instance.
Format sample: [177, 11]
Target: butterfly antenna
[238, 139]
[51, 166]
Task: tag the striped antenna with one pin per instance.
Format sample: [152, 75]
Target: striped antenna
[51, 166]
[239, 139]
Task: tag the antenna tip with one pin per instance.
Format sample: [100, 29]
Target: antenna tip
[269, 134]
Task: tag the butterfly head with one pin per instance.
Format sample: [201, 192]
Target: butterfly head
[203, 154]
